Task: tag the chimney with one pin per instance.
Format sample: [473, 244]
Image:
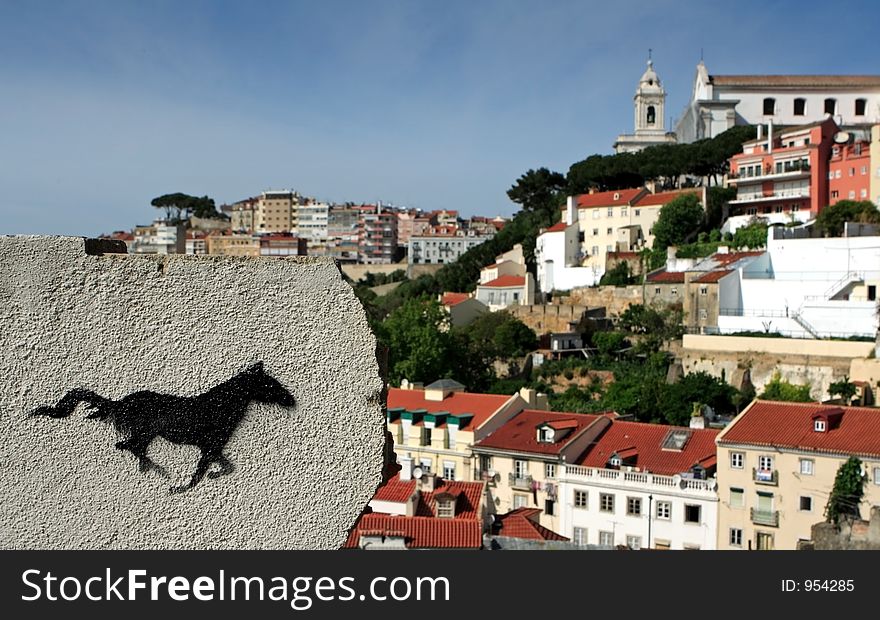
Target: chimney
[723, 249]
[698, 421]
[760, 131]
[405, 467]
[569, 211]
[769, 136]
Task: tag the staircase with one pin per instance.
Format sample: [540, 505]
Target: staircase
[849, 278]
[799, 319]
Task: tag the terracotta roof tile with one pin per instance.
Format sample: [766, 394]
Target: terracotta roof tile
[519, 433]
[646, 440]
[558, 227]
[795, 80]
[420, 532]
[666, 277]
[482, 406]
[453, 299]
[607, 199]
[713, 276]
[661, 198]
[519, 524]
[396, 490]
[790, 425]
[506, 281]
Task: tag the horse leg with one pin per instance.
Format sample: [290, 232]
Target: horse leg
[226, 467]
[138, 447]
[201, 469]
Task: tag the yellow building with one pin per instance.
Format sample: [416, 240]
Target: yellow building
[234, 245]
[277, 211]
[776, 468]
[436, 426]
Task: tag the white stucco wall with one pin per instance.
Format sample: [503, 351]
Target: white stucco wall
[180, 325]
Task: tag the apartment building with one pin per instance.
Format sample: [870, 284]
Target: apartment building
[441, 245]
[234, 244]
[160, 237]
[313, 224]
[874, 190]
[642, 486]
[523, 457]
[343, 233]
[282, 244]
[241, 214]
[436, 425]
[849, 169]
[377, 241]
[776, 467]
[276, 211]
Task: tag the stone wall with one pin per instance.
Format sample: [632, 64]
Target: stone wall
[261, 370]
[546, 318]
[849, 535]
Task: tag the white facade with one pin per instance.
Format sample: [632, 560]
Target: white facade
[558, 255]
[734, 223]
[674, 512]
[649, 105]
[718, 102]
[312, 223]
[441, 249]
[806, 288]
[159, 238]
[500, 297]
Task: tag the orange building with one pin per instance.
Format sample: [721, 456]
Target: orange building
[849, 170]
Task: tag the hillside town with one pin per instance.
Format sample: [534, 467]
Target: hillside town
[673, 346]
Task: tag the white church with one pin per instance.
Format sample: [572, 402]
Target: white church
[650, 127]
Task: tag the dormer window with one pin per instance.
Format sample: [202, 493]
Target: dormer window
[819, 426]
[545, 434]
[445, 509]
[615, 461]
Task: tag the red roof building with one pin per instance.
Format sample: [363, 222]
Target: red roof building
[524, 523]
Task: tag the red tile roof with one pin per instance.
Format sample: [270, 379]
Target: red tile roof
[420, 532]
[519, 524]
[558, 227]
[796, 80]
[396, 490]
[661, 198]
[713, 276]
[482, 406]
[790, 425]
[520, 432]
[469, 495]
[623, 254]
[563, 424]
[453, 299]
[667, 277]
[732, 257]
[645, 441]
[607, 199]
[506, 281]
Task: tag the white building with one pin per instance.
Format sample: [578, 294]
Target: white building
[649, 108]
[506, 291]
[718, 102]
[804, 287]
[159, 238]
[441, 245]
[312, 225]
[643, 486]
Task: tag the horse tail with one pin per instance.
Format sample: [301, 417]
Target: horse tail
[67, 404]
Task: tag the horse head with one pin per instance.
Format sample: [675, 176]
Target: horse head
[265, 388]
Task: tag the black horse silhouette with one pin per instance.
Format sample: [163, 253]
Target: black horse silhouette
[206, 421]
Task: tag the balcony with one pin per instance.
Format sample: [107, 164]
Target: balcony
[637, 480]
[765, 517]
[792, 171]
[520, 482]
[489, 476]
[769, 477]
[746, 198]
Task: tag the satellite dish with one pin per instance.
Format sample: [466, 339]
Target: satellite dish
[841, 137]
[418, 472]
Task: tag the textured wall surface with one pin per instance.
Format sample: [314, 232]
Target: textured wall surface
[180, 325]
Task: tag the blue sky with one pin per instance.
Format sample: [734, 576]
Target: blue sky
[105, 105]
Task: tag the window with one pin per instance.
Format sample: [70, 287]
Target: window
[426, 465]
[852, 172]
[448, 470]
[595, 214]
[595, 231]
[606, 502]
[549, 470]
[864, 193]
[609, 231]
[691, 513]
[835, 193]
[673, 291]
[549, 505]
[545, 435]
[580, 499]
[736, 537]
[704, 290]
[662, 545]
[837, 174]
[446, 509]
[819, 426]
[765, 462]
[595, 250]
[861, 105]
[877, 475]
[606, 539]
[623, 211]
[703, 314]
[656, 290]
[800, 105]
[579, 536]
[485, 462]
[610, 211]
[737, 497]
[831, 106]
[807, 467]
[769, 106]
[634, 506]
[520, 501]
[638, 212]
[651, 116]
[634, 542]
[806, 503]
[664, 510]
[864, 170]
[520, 468]
[516, 297]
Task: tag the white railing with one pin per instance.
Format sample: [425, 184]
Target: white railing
[636, 479]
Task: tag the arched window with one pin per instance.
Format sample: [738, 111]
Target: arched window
[769, 106]
[651, 117]
[831, 106]
[800, 106]
[861, 105]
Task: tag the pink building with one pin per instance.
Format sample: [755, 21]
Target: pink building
[849, 170]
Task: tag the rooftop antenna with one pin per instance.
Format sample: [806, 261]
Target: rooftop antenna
[649, 53]
[701, 54]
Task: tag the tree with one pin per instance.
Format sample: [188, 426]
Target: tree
[418, 341]
[844, 389]
[539, 191]
[619, 275]
[849, 487]
[180, 206]
[778, 389]
[679, 218]
[657, 325]
[499, 335]
[696, 388]
[752, 236]
[832, 218]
